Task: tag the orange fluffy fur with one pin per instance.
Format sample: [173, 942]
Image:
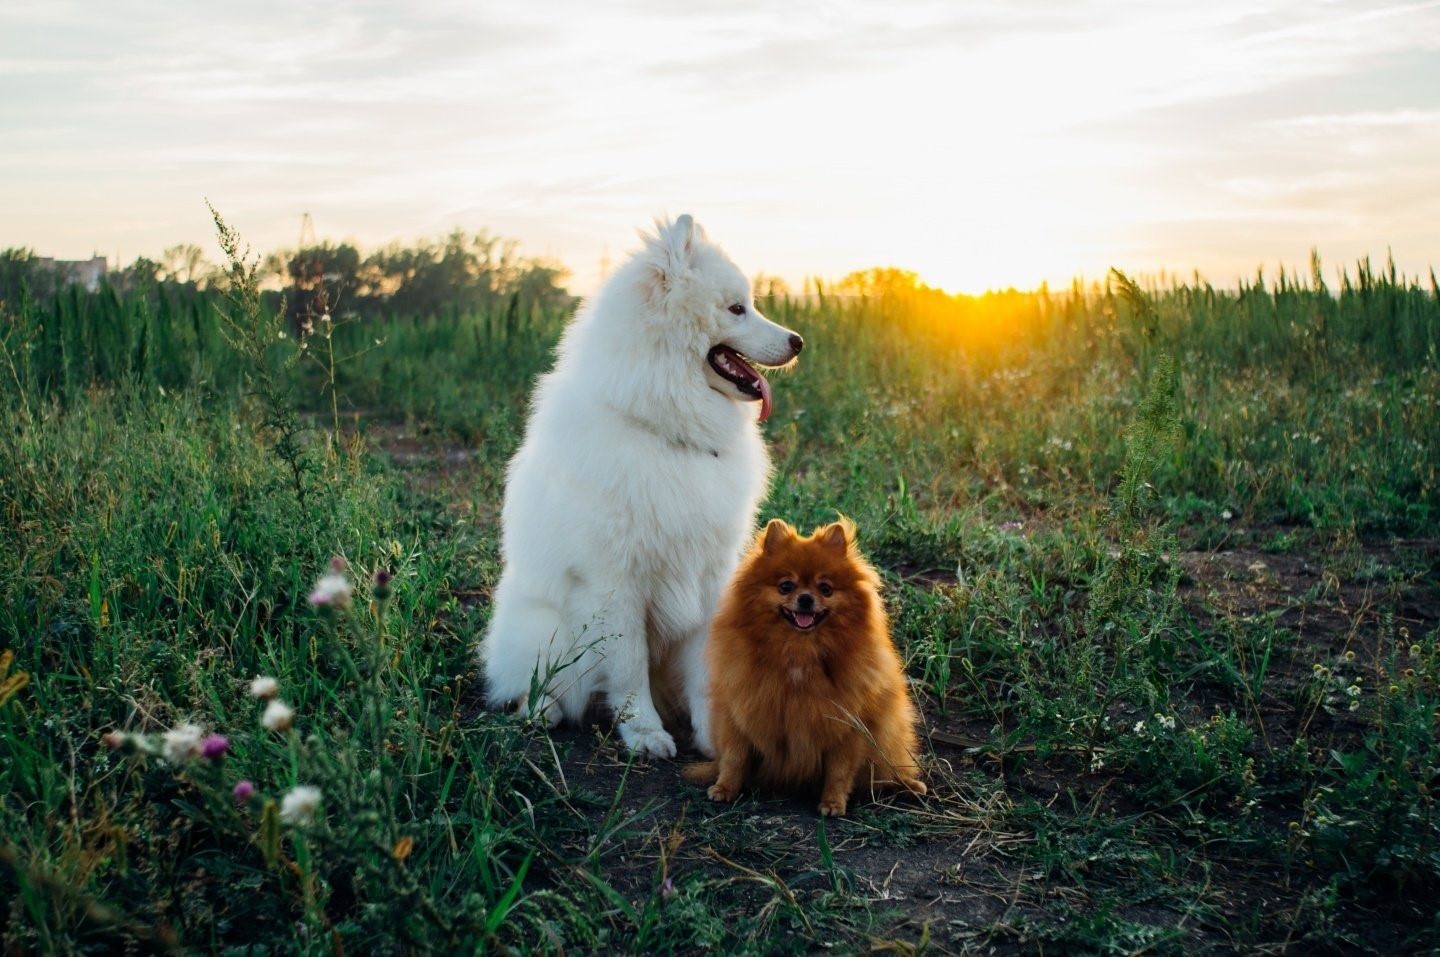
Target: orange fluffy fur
[807, 700]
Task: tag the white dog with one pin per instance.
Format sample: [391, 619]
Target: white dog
[628, 503]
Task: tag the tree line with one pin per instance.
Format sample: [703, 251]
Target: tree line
[457, 273]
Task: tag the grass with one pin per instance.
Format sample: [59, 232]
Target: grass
[1163, 563]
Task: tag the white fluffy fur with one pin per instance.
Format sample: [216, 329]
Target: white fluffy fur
[628, 503]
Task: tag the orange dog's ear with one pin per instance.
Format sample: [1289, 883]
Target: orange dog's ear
[776, 534]
[836, 535]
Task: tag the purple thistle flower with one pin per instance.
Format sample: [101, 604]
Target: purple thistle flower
[380, 584]
[244, 791]
[214, 746]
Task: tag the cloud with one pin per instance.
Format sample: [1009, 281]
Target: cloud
[1329, 124]
[1027, 137]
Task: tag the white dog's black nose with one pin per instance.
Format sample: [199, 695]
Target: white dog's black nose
[796, 343]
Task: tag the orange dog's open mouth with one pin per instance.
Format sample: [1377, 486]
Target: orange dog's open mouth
[733, 367]
[804, 620]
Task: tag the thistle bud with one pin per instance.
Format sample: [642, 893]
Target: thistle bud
[214, 746]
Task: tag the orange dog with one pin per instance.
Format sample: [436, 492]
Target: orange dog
[807, 690]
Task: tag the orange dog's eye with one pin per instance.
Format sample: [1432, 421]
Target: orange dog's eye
[825, 589]
[786, 587]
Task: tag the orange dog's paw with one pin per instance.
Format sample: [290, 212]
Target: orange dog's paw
[917, 786]
[833, 807]
[720, 792]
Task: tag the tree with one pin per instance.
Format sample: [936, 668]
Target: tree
[321, 278]
[143, 273]
[20, 273]
[184, 263]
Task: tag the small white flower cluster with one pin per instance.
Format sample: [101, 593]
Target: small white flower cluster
[278, 715]
[1165, 721]
[333, 589]
[182, 743]
[299, 804]
[189, 742]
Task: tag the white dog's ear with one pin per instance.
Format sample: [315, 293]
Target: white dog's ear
[671, 255]
[682, 237]
[776, 534]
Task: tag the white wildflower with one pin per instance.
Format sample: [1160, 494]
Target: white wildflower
[1166, 721]
[1139, 727]
[278, 716]
[182, 743]
[299, 804]
[1227, 515]
[264, 688]
[332, 590]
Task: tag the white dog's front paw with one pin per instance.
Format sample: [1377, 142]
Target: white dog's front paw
[651, 741]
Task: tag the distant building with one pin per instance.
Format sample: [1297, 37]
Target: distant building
[84, 272]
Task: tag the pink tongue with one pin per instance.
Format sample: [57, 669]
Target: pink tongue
[804, 621]
[765, 403]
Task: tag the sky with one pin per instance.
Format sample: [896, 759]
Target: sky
[981, 145]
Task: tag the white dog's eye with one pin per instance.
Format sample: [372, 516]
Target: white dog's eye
[737, 309]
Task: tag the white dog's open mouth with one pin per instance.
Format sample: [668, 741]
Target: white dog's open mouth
[733, 368]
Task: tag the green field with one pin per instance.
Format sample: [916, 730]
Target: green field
[1163, 562]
